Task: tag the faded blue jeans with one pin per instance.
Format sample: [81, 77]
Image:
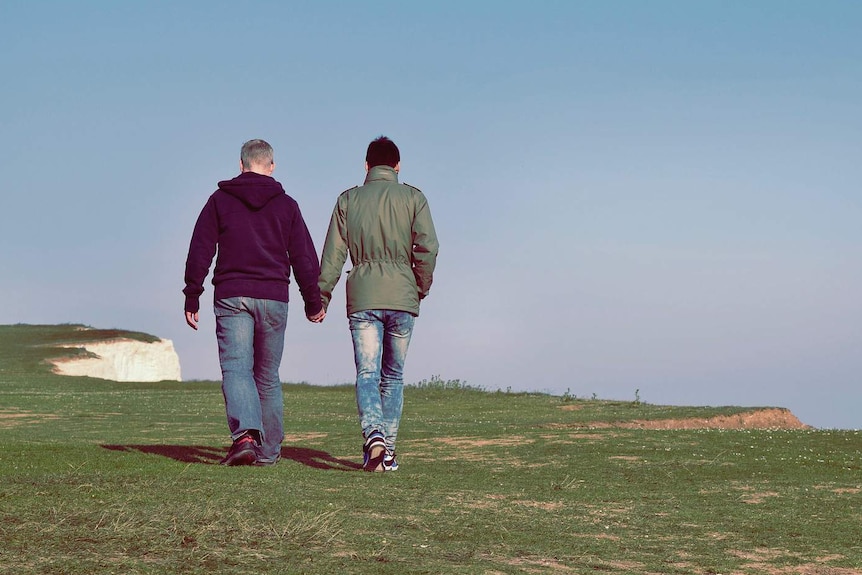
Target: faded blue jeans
[250, 334]
[380, 341]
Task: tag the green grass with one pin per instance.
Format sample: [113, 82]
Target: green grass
[105, 477]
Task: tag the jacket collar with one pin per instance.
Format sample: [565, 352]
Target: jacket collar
[381, 173]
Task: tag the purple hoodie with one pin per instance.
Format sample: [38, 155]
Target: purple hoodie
[260, 235]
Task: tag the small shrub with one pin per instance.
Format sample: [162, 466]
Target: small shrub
[436, 382]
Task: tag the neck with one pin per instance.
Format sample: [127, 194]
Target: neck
[262, 169]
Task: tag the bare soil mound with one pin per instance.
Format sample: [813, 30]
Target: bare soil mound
[773, 418]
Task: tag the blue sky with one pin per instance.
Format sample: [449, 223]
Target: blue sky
[655, 198]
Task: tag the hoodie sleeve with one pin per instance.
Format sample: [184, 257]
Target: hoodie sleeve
[303, 260]
[202, 249]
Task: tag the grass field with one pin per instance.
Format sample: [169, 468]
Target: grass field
[105, 477]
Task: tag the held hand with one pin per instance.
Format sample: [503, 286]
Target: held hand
[192, 319]
[318, 317]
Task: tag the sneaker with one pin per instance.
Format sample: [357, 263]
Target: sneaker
[373, 452]
[267, 461]
[389, 462]
[242, 452]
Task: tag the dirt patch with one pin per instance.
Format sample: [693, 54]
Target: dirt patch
[303, 437]
[473, 442]
[572, 407]
[545, 505]
[12, 418]
[469, 448]
[774, 418]
[758, 497]
[533, 564]
[608, 536]
[759, 561]
[806, 569]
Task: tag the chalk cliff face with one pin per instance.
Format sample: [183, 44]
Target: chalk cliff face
[124, 360]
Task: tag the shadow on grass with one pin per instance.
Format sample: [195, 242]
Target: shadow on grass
[212, 455]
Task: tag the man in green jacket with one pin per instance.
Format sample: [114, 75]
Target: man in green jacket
[387, 229]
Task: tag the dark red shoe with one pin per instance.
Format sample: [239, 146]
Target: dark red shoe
[242, 452]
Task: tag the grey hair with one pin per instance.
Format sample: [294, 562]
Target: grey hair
[256, 153]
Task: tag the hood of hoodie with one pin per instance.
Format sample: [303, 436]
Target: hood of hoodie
[254, 190]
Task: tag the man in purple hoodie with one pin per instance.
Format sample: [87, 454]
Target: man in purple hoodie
[259, 234]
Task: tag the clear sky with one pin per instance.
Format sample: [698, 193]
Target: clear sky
[659, 198]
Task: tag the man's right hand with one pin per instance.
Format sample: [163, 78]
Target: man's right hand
[192, 318]
[318, 317]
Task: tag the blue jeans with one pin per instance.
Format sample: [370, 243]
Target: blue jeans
[250, 334]
[380, 341]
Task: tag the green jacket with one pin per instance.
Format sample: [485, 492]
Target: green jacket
[386, 228]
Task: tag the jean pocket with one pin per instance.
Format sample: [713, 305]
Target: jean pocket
[228, 306]
[276, 314]
[403, 325]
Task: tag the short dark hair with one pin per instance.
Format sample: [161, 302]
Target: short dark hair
[382, 152]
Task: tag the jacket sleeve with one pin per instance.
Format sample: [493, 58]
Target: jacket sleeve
[202, 249]
[425, 247]
[303, 260]
[334, 253]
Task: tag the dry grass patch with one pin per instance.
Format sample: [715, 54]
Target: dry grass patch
[839, 490]
[468, 448]
[293, 438]
[15, 417]
[759, 497]
[759, 561]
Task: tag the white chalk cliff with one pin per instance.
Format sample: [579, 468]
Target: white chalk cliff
[124, 360]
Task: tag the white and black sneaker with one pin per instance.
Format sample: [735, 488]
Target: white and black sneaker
[389, 462]
[373, 452]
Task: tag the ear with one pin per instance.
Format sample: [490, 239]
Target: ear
[241, 167]
[398, 167]
[366, 167]
[271, 168]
